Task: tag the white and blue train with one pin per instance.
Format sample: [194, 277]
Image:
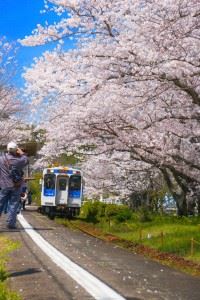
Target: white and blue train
[62, 191]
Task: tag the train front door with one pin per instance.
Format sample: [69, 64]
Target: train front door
[62, 190]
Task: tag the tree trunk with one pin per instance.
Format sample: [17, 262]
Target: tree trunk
[180, 199]
[178, 193]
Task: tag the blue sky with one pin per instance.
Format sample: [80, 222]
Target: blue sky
[17, 19]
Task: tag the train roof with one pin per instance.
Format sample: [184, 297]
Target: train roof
[62, 170]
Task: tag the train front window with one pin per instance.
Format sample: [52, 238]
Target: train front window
[75, 182]
[62, 184]
[49, 181]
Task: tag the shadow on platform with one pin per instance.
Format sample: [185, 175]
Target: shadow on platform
[25, 272]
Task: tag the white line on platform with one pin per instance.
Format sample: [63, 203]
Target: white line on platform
[90, 283]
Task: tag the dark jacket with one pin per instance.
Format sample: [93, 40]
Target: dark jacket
[18, 161]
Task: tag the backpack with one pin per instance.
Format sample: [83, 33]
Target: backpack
[14, 173]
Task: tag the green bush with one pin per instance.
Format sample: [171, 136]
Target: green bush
[145, 215]
[120, 213]
[98, 211]
[94, 211]
[5, 294]
[124, 214]
[35, 188]
[3, 272]
[89, 211]
[111, 210]
[101, 209]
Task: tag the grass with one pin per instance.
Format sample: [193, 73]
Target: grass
[166, 234]
[6, 246]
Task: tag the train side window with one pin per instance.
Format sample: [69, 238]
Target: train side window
[49, 181]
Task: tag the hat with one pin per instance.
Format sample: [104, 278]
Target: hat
[12, 146]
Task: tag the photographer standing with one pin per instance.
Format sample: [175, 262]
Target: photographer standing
[10, 189]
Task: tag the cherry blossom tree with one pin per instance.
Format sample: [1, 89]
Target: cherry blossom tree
[11, 107]
[131, 86]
